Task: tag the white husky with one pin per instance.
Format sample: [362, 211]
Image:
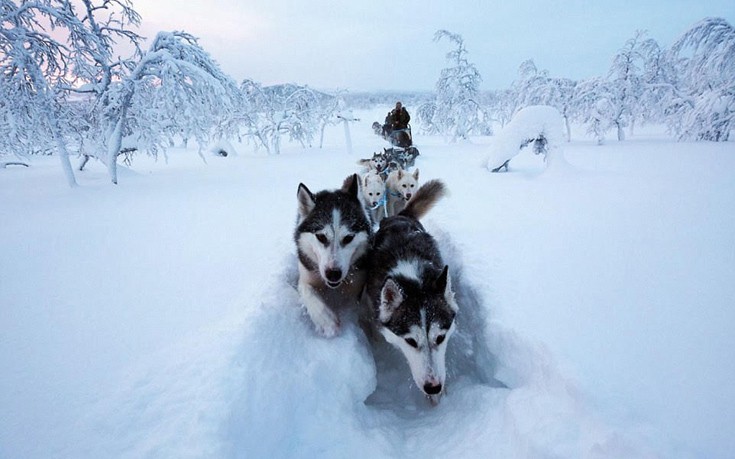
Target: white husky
[374, 195]
[400, 186]
[332, 238]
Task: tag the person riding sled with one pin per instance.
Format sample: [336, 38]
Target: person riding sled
[397, 120]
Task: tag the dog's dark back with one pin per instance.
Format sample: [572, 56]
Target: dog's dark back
[403, 237]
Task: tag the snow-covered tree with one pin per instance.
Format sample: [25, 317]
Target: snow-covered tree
[457, 112]
[627, 83]
[34, 68]
[176, 89]
[425, 115]
[53, 50]
[529, 86]
[96, 67]
[704, 107]
[536, 87]
[594, 106]
[330, 112]
[659, 84]
[501, 104]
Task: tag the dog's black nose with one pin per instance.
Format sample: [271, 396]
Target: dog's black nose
[432, 389]
[333, 275]
[408, 196]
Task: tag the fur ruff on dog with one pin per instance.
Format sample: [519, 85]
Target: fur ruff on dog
[333, 236]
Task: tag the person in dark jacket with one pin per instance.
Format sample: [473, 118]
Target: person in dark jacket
[398, 118]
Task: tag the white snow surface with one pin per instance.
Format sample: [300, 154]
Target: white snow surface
[158, 318]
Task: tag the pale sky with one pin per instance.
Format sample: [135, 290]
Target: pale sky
[377, 44]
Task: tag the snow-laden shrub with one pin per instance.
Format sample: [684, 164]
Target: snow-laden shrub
[539, 126]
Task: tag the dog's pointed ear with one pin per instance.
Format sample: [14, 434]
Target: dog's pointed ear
[416, 174]
[351, 186]
[400, 174]
[391, 296]
[306, 199]
[440, 283]
[443, 284]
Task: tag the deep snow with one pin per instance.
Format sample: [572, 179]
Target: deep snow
[158, 318]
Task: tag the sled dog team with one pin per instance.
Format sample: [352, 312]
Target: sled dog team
[395, 274]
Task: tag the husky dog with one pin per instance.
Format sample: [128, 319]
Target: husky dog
[374, 196]
[377, 128]
[409, 291]
[400, 187]
[378, 163]
[332, 237]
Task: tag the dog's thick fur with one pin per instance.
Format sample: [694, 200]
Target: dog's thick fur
[409, 291]
[400, 187]
[332, 236]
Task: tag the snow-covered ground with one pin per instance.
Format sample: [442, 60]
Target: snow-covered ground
[158, 318]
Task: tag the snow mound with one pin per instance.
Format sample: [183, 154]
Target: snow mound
[539, 127]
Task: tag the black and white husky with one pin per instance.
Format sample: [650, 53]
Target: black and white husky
[333, 235]
[409, 291]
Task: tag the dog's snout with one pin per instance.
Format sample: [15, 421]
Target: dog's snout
[333, 275]
[432, 388]
[408, 196]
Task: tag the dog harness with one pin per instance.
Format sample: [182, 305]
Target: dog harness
[383, 202]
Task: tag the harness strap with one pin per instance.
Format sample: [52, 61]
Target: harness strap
[383, 202]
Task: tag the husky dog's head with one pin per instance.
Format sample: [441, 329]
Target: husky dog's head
[333, 230]
[373, 188]
[378, 162]
[416, 315]
[404, 182]
[377, 128]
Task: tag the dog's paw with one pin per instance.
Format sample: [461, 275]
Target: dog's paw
[326, 322]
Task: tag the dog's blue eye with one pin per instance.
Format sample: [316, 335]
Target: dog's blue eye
[347, 239]
[439, 339]
[412, 342]
[322, 238]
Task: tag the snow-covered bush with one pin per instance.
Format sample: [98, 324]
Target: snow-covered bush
[268, 113]
[539, 126]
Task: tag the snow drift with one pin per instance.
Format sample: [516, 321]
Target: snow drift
[266, 385]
